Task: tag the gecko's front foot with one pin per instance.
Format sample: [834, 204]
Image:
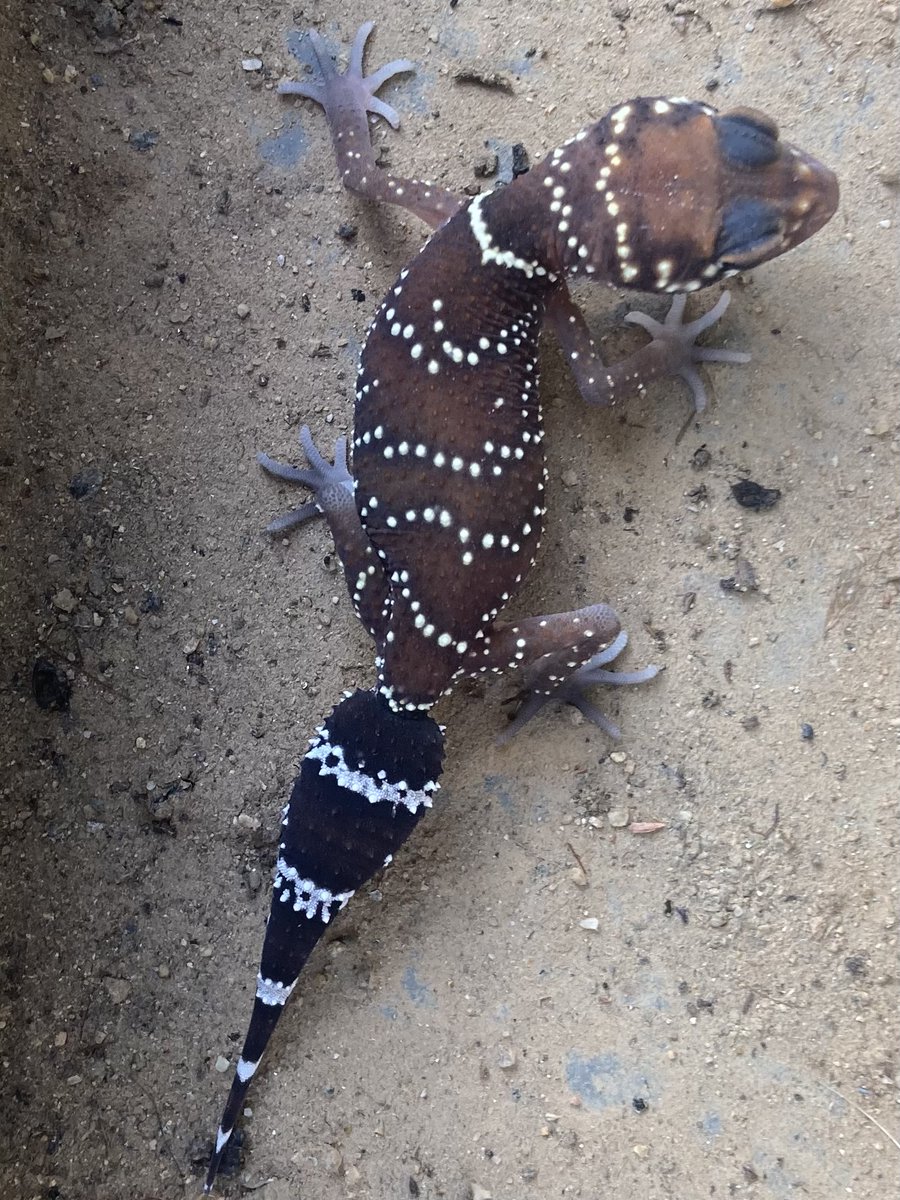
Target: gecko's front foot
[542, 689]
[352, 89]
[676, 343]
[331, 483]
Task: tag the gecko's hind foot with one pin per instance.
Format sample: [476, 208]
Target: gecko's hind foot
[331, 483]
[352, 88]
[676, 342]
[571, 690]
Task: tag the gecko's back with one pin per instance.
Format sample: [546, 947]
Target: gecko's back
[448, 453]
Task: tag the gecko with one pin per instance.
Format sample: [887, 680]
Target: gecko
[441, 518]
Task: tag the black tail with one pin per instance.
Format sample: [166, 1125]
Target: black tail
[368, 777]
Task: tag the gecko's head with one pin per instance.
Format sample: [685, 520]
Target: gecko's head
[690, 195]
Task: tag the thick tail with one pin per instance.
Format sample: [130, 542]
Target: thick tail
[368, 777]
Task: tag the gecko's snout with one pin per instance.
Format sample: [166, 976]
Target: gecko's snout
[780, 194]
[816, 196]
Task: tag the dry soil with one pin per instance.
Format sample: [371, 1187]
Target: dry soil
[536, 1000]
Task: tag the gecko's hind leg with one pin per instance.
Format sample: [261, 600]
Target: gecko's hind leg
[543, 686]
[561, 655]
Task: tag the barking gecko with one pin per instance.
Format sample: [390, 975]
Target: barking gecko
[441, 518]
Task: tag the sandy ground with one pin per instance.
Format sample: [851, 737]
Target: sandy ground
[729, 1028]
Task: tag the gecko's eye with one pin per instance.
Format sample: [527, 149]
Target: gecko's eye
[748, 138]
[750, 231]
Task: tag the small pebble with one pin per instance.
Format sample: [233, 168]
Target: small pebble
[118, 989]
[485, 164]
[222, 1064]
[243, 311]
[807, 732]
[251, 64]
[617, 817]
[589, 923]
[61, 1038]
[65, 601]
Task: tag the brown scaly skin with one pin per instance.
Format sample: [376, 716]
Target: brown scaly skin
[444, 516]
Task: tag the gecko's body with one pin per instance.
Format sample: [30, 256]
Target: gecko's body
[443, 516]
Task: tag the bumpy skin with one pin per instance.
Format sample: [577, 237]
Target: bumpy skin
[444, 516]
[660, 195]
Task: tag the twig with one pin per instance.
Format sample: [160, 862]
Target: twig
[577, 857]
[862, 1112]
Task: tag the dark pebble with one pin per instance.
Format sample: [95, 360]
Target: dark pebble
[807, 732]
[639, 1104]
[358, 295]
[50, 686]
[85, 483]
[144, 140]
[520, 163]
[347, 231]
[753, 495]
[107, 20]
[151, 603]
[701, 458]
